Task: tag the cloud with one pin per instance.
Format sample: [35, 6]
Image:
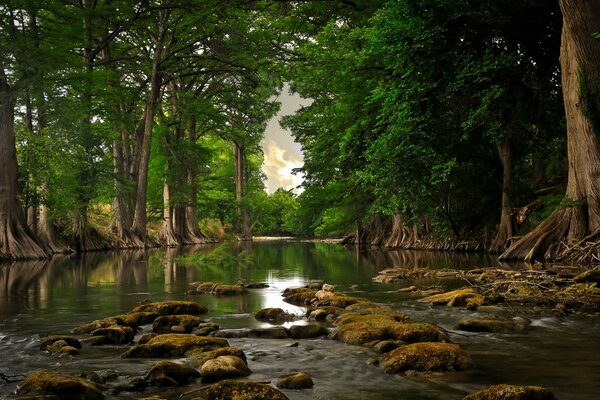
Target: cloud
[278, 166]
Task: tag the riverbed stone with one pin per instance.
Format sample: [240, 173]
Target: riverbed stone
[97, 324]
[168, 373]
[220, 289]
[146, 338]
[295, 380]
[512, 392]
[224, 367]
[135, 319]
[63, 386]
[68, 340]
[116, 334]
[487, 325]
[276, 315]
[61, 347]
[307, 331]
[371, 329]
[276, 332]
[241, 390]
[172, 307]
[182, 323]
[199, 357]
[465, 297]
[426, 357]
[301, 298]
[206, 328]
[174, 345]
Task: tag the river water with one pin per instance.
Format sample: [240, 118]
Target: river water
[43, 298]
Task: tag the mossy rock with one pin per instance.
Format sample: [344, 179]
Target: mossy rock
[69, 340]
[465, 297]
[241, 390]
[362, 306]
[167, 373]
[146, 338]
[307, 331]
[339, 300]
[426, 357]
[174, 345]
[116, 334]
[165, 323]
[276, 315]
[135, 319]
[512, 392]
[220, 289]
[322, 313]
[487, 325]
[97, 324]
[295, 380]
[224, 367]
[199, 357]
[172, 307]
[292, 291]
[370, 315]
[301, 298]
[59, 384]
[376, 328]
[61, 347]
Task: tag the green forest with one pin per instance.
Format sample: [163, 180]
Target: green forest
[446, 124]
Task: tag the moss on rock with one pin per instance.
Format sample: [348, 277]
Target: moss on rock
[199, 357]
[295, 380]
[241, 390]
[165, 323]
[487, 325]
[172, 307]
[426, 357]
[465, 297]
[167, 373]
[224, 367]
[273, 315]
[174, 345]
[69, 340]
[61, 385]
[512, 392]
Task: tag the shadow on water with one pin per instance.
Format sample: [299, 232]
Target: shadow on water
[53, 296]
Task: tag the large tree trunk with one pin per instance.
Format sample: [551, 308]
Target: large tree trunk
[191, 210]
[506, 229]
[139, 229]
[16, 240]
[580, 65]
[241, 180]
[401, 236]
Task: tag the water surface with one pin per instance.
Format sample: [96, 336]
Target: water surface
[51, 297]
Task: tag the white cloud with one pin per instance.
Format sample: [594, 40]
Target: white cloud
[278, 166]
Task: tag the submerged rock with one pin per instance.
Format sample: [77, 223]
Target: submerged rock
[174, 345]
[306, 331]
[115, 334]
[219, 289]
[465, 297]
[61, 385]
[512, 392]
[168, 323]
[206, 328]
[172, 307]
[167, 373]
[240, 390]
[224, 367]
[488, 325]
[426, 357]
[274, 315]
[68, 340]
[295, 380]
[135, 319]
[61, 347]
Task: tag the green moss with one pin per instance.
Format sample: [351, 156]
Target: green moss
[174, 345]
[512, 392]
[172, 308]
[426, 357]
[465, 297]
[240, 390]
[64, 386]
[164, 323]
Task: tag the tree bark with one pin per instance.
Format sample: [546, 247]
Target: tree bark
[17, 241]
[506, 229]
[580, 68]
[241, 181]
[191, 210]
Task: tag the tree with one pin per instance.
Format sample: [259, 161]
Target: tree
[578, 217]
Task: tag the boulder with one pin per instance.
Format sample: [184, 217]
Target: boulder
[116, 334]
[486, 325]
[206, 328]
[306, 331]
[68, 340]
[466, 297]
[426, 357]
[101, 376]
[224, 367]
[199, 357]
[135, 319]
[295, 380]
[322, 313]
[258, 285]
[385, 346]
[172, 307]
[174, 345]
[166, 323]
[240, 390]
[299, 296]
[167, 373]
[220, 289]
[146, 338]
[276, 332]
[375, 328]
[61, 347]
[512, 392]
[61, 385]
[276, 315]
[97, 324]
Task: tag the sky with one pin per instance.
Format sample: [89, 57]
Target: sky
[282, 154]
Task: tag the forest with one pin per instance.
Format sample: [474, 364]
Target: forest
[441, 124]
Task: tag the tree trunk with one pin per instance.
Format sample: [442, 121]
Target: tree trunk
[241, 180]
[580, 67]
[191, 210]
[506, 229]
[139, 229]
[17, 241]
[401, 236]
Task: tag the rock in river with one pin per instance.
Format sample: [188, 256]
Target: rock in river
[240, 390]
[199, 357]
[61, 385]
[224, 367]
[174, 345]
[172, 308]
[295, 380]
[167, 373]
[166, 323]
[276, 315]
[512, 392]
[465, 297]
[426, 357]
[307, 331]
[487, 325]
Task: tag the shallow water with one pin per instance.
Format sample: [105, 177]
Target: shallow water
[52, 297]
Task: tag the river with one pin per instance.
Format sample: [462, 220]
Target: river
[39, 298]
